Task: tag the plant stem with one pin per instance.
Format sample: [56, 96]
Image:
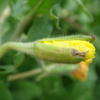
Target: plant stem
[24, 74]
[23, 24]
[50, 70]
[29, 73]
[18, 46]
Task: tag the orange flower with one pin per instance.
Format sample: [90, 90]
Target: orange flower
[82, 72]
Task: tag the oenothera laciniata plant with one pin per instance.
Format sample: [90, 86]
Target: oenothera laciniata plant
[77, 49]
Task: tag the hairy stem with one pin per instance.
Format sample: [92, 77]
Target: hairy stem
[22, 47]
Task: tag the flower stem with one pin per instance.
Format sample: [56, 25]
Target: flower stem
[23, 47]
[24, 74]
[52, 69]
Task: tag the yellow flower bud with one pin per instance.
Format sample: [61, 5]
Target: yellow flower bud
[80, 45]
[70, 50]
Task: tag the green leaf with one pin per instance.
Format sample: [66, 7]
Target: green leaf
[40, 28]
[5, 94]
[25, 90]
[84, 9]
[47, 5]
[5, 70]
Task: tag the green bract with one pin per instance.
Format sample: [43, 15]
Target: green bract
[56, 54]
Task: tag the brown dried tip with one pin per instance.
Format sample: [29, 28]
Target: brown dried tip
[76, 52]
[93, 37]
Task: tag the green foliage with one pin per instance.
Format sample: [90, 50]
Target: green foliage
[5, 93]
[25, 90]
[30, 20]
[40, 24]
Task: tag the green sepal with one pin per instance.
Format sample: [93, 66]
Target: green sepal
[90, 38]
[57, 54]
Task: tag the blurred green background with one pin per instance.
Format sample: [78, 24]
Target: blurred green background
[29, 20]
